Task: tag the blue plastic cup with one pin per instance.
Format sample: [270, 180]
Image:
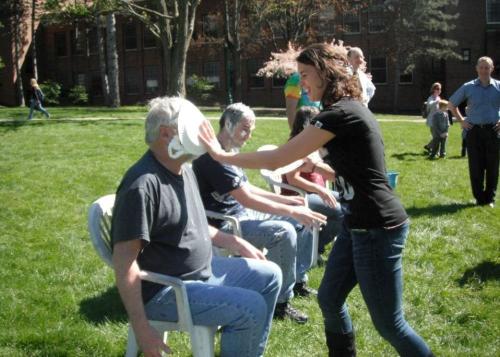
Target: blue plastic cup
[392, 176]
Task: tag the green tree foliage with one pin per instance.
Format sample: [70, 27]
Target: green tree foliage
[172, 22]
[416, 30]
[78, 95]
[51, 91]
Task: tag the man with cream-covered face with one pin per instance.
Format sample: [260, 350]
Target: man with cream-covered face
[159, 225]
[277, 223]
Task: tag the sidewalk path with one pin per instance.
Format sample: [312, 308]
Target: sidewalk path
[208, 117]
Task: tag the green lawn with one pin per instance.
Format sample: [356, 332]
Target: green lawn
[58, 299]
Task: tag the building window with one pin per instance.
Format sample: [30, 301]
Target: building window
[80, 79]
[351, 22]
[130, 36]
[326, 23]
[466, 55]
[78, 43]
[406, 78]
[378, 69]
[92, 40]
[279, 82]
[253, 66]
[210, 26]
[211, 72]
[152, 79]
[149, 40]
[493, 11]
[376, 17]
[131, 80]
[96, 84]
[60, 44]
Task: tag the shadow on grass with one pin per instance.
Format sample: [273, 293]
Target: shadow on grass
[437, 210]
[409, 156]
[481, 273]
[104, 307]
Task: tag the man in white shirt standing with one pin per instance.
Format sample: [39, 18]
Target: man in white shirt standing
[358, 64]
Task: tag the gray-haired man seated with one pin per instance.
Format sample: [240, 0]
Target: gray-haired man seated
[159, 225]
[267, 220]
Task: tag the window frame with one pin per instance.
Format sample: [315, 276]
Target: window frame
[378, 68]
[126, 25]
[252, 76]
[487, 9]
[356, 12]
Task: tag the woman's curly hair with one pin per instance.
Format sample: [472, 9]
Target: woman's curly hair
[333, 67]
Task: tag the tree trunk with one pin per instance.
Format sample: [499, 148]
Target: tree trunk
[233, 44]
[16, 27]
[114, 89]
[184, 31]
[237, 50]
[33, 39]
[102, 61]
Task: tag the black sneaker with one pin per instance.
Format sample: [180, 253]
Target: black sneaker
[301, 289]
[284, 310]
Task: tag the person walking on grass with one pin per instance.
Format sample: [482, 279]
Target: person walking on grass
[369, 248]
[483, 130]
[36, 100]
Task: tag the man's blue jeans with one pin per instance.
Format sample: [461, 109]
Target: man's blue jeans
[372, 258]
[240, 296]
[334, 217]
[289, 245]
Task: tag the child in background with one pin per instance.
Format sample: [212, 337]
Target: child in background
[439, 128]
[319, 197]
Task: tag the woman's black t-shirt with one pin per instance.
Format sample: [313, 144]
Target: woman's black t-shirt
[356, 153]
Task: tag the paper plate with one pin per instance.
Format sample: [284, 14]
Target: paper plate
[284, 169]
[189, 121]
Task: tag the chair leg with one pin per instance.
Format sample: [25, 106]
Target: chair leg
[202, 341]
[315, 245]
[132, 347]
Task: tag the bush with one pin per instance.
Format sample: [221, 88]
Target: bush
[199, 88]
[51, 91]
[78, 95]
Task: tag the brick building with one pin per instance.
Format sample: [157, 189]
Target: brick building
[68, 55]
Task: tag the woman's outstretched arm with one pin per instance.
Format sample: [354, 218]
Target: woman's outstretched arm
[308, 141]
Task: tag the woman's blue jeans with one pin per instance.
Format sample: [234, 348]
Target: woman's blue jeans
[240, 296]
[373, 259]
[39, 107]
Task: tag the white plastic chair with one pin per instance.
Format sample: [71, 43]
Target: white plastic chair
[275, 182]
[202, 337]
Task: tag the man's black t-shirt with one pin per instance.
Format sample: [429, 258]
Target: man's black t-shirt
[165, 211]
[356, 153]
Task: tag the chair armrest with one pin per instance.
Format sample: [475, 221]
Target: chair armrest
[183, 311]
[233, 221]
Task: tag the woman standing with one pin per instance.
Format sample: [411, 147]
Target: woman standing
[36, 100]
[368, 250]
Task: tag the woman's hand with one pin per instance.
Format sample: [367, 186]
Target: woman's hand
[327, 197]
[209, 140]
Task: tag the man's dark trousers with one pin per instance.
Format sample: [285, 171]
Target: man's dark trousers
[483, 151]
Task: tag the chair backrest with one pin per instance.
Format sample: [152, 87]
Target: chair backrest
[99, 224]
[274, 179]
